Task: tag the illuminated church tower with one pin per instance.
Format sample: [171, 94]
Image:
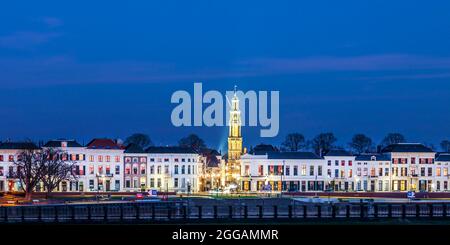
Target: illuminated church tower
[234, 142]
[234, 136]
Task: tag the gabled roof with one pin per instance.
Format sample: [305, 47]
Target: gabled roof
[292, 155]
[263, 149]
[134, 148]
[339, 153]
[170, 149]
[372, 157]
[18, 146]
[104, 144]
[207, 151]
[406, 147]
[58, 143]
[443, 157]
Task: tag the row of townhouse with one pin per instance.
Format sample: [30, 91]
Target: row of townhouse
[399, 167]
[104, 165]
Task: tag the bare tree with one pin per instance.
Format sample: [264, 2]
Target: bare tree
[139, 139]
[323, 143]
[361, 143]
[294, 142]
[29, 170]
[192, 141]
[56, 168]
[393, 138]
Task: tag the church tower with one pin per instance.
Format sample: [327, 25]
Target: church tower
[232, 171]
[234, 135]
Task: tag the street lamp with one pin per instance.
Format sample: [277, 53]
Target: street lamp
[282, 173]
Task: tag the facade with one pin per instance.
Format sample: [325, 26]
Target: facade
[412, 167]
[372, 173]
[398, 168]
[339, 171]
[173, 169]
[287, 171]
[135, 169]
[8, 154]
[442, 177]
[76, 153]
[104, 165]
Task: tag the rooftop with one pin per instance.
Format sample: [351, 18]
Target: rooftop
[407, 147]
[290, 155]
[104, 144]
[170, 149]
[18, 146]
[263, 149]
[339, 153]
[59, 143]
[372, 157]
[443, 157]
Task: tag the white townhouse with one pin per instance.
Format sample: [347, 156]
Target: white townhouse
[104, 161]
[173, 169]
[135, 169]
[75, 153]
[442, 177]
[412, 167]
[372, 172]
[287, 171]
[340, 171]
[9, 152]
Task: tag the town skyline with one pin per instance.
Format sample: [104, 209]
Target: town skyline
[304, 146]
[348, 68]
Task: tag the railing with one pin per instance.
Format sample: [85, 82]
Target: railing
[180, 212]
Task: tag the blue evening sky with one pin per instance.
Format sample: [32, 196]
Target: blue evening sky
[84, 69]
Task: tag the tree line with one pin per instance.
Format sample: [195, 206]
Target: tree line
[360, 143]
[320, 144]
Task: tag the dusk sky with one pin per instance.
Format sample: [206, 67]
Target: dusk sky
[87, 69]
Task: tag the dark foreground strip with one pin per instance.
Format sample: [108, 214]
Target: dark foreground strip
[383, 232]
